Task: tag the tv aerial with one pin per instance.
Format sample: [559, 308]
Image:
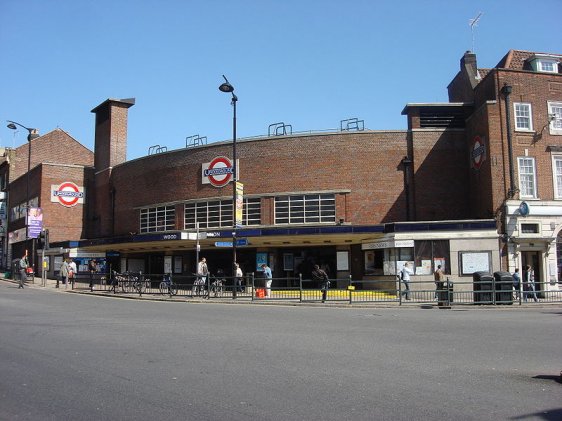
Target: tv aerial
[473, 23]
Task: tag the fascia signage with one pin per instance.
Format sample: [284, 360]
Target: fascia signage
[67, 194]
[218, 172]
[388, 244]
[17, 235]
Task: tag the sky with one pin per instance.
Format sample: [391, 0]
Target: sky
[307, 63]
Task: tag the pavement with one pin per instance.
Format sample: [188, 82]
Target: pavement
[245, 298]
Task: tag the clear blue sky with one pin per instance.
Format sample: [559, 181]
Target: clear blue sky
[308, 63]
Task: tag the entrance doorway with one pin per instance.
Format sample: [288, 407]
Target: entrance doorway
[532, 258]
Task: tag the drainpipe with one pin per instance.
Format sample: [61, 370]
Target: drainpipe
[506, 91]
[407, 163]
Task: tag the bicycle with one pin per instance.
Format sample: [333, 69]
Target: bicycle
[217, 287]
[199, 287]
[167, 286]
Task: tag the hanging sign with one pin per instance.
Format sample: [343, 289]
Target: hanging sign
[477, 152]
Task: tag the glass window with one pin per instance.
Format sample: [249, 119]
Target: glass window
[218, 213]
[523, 117]
[430, 254]
[555, 111]
[529, 228]
[305, 209]
[160, 218]
[550, 66]
[527, 177]
[557, 169]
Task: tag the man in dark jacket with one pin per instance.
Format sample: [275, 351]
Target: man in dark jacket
[321, 277]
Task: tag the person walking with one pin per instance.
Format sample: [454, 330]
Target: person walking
[268, 279]
[439, 278]
[321, 278]
[530, 284]
[517, 284]
[72, 270]
[23, 263]
[405, 278]
[63, 273]
[238, 277]
[92, 268]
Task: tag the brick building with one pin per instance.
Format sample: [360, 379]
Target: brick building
[361, 202]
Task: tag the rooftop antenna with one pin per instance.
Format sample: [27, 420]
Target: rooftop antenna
[473, 23]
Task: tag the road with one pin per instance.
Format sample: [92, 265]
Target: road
[66, 356]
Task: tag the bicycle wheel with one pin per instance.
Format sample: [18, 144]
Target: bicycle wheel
[163, 287]
[173, 289]
[138, 286]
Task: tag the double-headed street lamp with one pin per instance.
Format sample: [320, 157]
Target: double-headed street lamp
[32, 134]
[228, 88]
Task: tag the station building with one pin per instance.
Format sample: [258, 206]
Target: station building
[473, 184]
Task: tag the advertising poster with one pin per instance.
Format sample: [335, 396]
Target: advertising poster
[261, 258]
[239, 204]
[34, 222]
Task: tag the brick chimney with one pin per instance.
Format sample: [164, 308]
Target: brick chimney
[111, 132]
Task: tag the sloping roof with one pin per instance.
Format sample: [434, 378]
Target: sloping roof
[517, 59]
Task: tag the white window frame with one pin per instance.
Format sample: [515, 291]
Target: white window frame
[542, 62]
[216, 214]
[157, 219]
[531, 176]
[557, 175]
[555, 108]
[537, 223]
[305, 209]
[519, 116]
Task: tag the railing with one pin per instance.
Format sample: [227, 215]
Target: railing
[342, 290]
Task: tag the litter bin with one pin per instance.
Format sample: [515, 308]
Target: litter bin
[504, 287]
[445, 294]
[483, 287]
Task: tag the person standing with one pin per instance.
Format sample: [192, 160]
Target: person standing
[23, 270]
[439, 278]
[202, 273]
[268, 279]
[321, 277]
[517, 283]
[238, 277]
[92, 268]
[63, 272]
[405, 278]
[530, 282]
[72, 272]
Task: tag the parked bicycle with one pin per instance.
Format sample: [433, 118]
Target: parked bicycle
[199, 286]
[217, 286]
[167, 286]
[128, 282]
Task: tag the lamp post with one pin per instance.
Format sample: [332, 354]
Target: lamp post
[228, 88]
[32, 134]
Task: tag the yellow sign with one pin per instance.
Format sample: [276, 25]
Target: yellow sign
[351, 288]
[239, 204]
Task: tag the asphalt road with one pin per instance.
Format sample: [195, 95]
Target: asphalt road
[66, 356]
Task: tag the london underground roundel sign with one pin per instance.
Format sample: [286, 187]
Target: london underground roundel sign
[219, 171]
[67, 194]
[477, 152]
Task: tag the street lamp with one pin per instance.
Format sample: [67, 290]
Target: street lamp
[228, 88]
[32, 134]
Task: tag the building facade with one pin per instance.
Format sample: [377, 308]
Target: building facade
[448, 190]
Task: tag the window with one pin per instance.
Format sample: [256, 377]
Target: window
[305, 209]
[218, 213]
[557, 171]
[160, 218]
[431, 253]
[523, 117]
[550, 66]
[527, 177]
[527, 228]
[555, 110]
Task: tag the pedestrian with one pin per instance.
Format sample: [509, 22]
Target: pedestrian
[321, 277]
[405, 278]
[530, 284]
[72, 270]
[92, 268]
[23, 270]
[202, 273]
[63, 272]
[268, 279]
[238, 277]
[439, 278]
[517, 284]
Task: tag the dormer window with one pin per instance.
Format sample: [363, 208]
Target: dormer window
[550, 66]
[544, 63]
